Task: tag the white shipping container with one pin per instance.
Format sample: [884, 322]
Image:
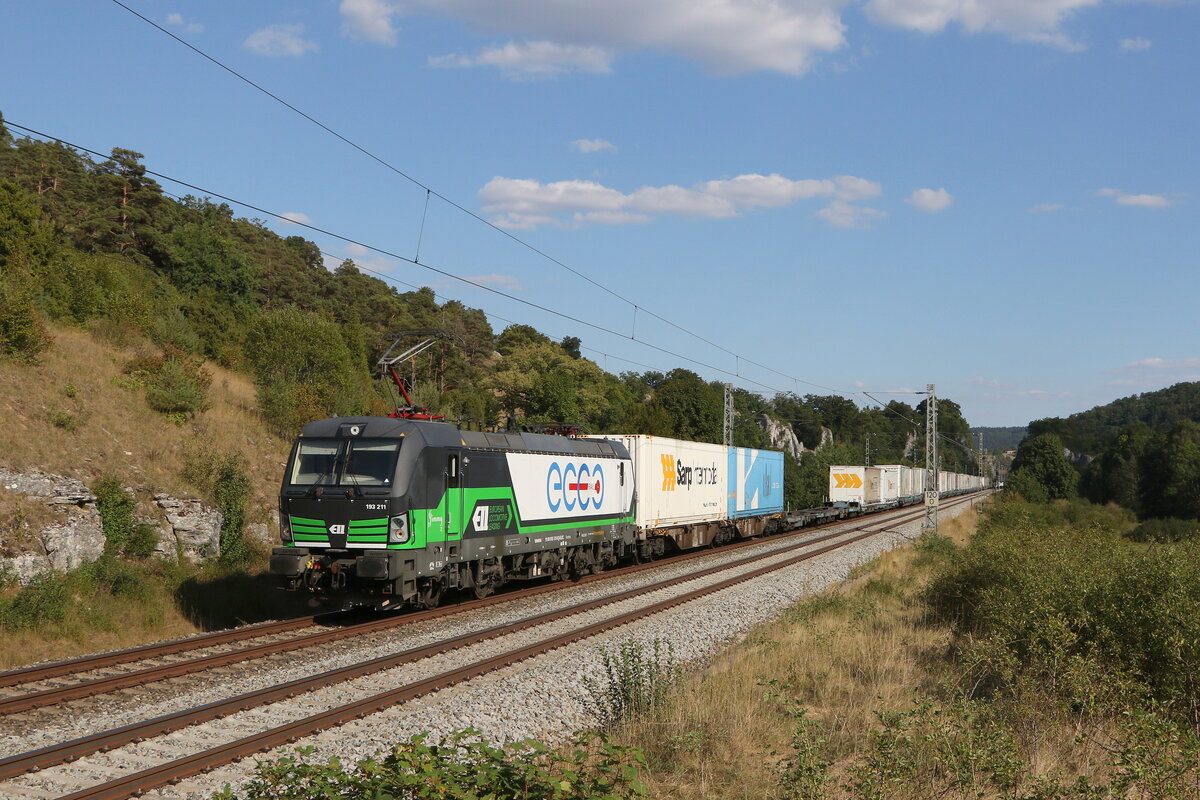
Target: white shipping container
[848, 484]
[891, 482]
[677, 482]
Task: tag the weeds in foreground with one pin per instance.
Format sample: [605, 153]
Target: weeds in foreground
[636, 680]
[461, 766]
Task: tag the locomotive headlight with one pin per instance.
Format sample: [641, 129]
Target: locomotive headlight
[398, 529]
[285, 530]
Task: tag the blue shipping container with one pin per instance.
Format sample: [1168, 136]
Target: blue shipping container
[755, 482]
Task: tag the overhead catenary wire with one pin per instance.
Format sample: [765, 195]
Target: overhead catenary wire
[429, 190]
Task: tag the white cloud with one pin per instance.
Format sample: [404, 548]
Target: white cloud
[682, 202]
[931, 201]
[1045, 208]
[725, 36]
[848, 187]
[1134, 45]
[292, 217]
[841, 214]
[1189, 364]
[593, 145]
[611, 217]
[526, 60]
[1027, 20]
[369, 19]
[279, 40]
[526, 204]
[988, 382]
[187, 26]
[1142, 200]
[1156, 371]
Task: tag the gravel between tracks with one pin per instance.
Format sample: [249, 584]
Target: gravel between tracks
[550, 685]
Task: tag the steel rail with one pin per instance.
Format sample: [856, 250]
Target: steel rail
[73, 666]
[106, 740]
[124, 680]
[174, 771]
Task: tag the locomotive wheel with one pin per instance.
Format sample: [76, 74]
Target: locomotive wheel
[484, 590]
[430, 595]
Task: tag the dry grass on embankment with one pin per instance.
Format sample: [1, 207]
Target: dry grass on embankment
[843, 655]
[838, 660]
[70, 415]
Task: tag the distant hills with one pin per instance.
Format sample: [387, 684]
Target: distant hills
[999, 438]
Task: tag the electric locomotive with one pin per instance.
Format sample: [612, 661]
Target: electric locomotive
[386, 512]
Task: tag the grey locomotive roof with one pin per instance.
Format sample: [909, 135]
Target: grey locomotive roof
[443, 434]
[432, 433]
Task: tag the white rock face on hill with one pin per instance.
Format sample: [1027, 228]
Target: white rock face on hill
[186, 528]
[782, 436]
[191, 528]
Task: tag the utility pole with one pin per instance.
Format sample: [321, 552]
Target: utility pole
[729, 415]
[931, 461]
[981, 457]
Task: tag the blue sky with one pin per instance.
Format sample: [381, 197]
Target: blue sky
[995, 196]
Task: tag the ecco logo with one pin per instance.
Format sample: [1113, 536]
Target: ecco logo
[337, 530]
[574, 485]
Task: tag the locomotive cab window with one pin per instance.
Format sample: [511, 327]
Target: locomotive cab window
[315, 462]
[370, 462]
[344, 462]
[452, 472]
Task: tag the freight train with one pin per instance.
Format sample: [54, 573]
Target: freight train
[387, 512]
[892, 486]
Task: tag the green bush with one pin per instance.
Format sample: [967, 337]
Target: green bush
[23, 335]
[1166, 530]
[944, 750]
[42, 601]
[1055, 597]
[116, 507]
[459, 767]
[176, 389]
[223, 479]
[142, 541]
[304, 369]
[232, 493]
[120, 578]
[64, 420]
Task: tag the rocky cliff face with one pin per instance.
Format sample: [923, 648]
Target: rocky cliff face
[68, 533]
[782, 436]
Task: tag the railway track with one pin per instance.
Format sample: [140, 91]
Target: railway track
[234, 646]
[174, 769]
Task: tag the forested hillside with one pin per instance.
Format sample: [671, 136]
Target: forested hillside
[99, 246]
[1090, 432]
[1140, 452]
